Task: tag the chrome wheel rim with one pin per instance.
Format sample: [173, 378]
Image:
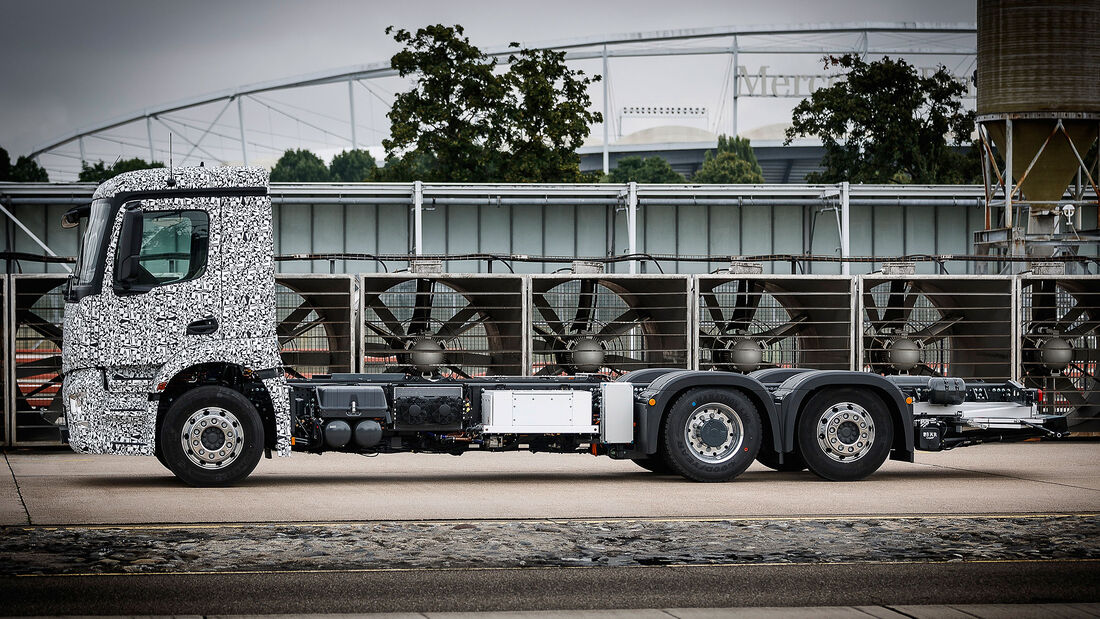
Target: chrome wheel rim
[845, 432]
[714, 433]
[211, 438]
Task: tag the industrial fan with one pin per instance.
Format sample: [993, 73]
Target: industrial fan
[1059, 351]
[938, 326]
[458, 326]
[745, 328]
[39, 313]
[608, 324]
[313, 323]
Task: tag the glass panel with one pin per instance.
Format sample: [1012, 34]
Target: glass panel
[173, 247]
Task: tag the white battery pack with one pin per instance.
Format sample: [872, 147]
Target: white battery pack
[532, 411]
[616, 413]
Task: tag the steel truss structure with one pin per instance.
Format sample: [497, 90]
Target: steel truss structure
[228, 126]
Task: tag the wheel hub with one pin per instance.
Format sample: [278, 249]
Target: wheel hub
[211, 437]
[845, 432]
[714, 433]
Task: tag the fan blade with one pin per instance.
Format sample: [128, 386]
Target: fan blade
[549, 370]
[293, 319]
[45, 328]
[623, 323]
[1085, 355]
[928, 368]
[895, 303]
[872, 310]
[371, 349]
[37, 367]
[1070, 317]
[374, 303]
[586, 306]
[1082, 329]
[715, 309]
[1064, 387]
[459, 323]
[931, 332]
[56, 380]
[1044, 302]
[392, 340]
[298, 330]
[745, 303]
[422, 311]
[548, 314]
[773, 335]
[548, 335]
[459, 371]
[1083, 371]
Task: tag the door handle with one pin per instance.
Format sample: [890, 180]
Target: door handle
[203, 326]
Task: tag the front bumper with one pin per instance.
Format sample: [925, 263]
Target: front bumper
[101, 421]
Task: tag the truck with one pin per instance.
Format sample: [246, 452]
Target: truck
[170, 349]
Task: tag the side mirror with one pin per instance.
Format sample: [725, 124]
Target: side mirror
[129, 247]
[71, 218]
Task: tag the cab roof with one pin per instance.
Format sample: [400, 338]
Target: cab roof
[185, 179]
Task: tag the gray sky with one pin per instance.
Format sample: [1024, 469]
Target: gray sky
[71, 64]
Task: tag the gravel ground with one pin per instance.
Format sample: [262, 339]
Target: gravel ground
[607, 543]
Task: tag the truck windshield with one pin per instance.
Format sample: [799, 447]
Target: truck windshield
[96, 234]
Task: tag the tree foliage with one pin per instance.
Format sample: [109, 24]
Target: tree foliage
[648, 170]
[465, 121]
[734, 163]
[727, 168]
[352, 166]
[25, 170]
[100, 171]
[299, 166]
[886, 123]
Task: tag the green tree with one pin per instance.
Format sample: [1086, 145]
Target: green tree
[25, 170]
[352, 166]
[299, 166]
[465, 121]
[453, 113]
[546, 117]
[886, 123]
[740, 147]
[99, 172]
[648, 170]
[727, 168]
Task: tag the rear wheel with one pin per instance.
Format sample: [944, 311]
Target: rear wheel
[711, 434]
[211, 436]
[845, 434]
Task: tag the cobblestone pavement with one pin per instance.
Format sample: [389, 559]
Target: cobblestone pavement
[538, 543]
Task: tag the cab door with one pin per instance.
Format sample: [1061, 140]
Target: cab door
[163, 279]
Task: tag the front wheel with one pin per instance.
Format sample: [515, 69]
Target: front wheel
[711, 434]
[211, 436]
[654, 464]
[844, 434]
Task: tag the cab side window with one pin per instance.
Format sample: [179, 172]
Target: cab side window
[173, 247]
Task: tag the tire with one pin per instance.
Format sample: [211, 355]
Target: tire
[792, 462]
[830, 423]
[654, 464]
[711, 435]
[214, 416]
[160, 458]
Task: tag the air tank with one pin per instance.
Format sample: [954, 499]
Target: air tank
[1038, 63]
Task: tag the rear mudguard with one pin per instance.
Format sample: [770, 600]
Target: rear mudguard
[664, 390]
[797, 390]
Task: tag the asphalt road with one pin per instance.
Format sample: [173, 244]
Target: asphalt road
[67, 488]
[555, 588]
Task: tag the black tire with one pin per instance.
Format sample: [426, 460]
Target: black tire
[160, 458]
[823, 419]
[654, 464]
[792, 462]
[731, 457]
[216, 406]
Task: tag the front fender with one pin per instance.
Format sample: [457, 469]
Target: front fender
[667, 387]
[797, 389]
[260, 355]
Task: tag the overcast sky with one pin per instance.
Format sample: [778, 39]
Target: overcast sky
[71, 64]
